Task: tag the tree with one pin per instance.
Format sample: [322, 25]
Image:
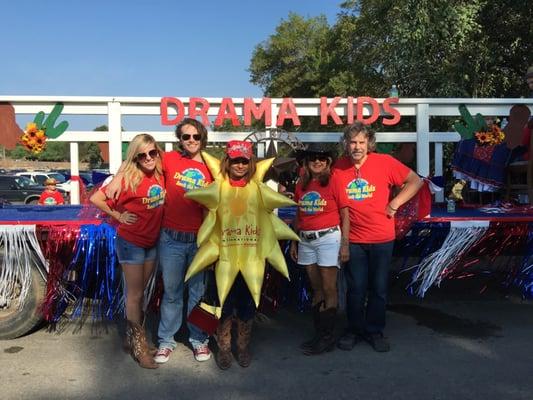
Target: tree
[429, 48]
[291, 62]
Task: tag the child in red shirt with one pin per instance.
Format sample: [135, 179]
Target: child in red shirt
[50, 195]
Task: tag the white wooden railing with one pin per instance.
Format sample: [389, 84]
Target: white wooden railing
[115, 108]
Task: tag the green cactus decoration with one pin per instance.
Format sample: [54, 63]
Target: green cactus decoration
[469, 125]
[48, 124]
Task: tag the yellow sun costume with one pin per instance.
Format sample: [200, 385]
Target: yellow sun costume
[240, 230]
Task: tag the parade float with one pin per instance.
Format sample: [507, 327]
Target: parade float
[58, 263]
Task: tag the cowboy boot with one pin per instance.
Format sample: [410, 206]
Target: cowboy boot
[223, 357]
[151, 348]
[139, 347]
[126, 344]
[317, 325]
[244, 334]
[327, 339]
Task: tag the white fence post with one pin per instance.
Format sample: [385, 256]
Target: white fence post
[422, 139]
[74, 171]
[115, 136]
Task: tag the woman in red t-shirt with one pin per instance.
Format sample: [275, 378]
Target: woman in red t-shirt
[138, 210]
[322, 222]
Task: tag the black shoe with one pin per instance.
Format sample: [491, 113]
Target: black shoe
[378, 342]
[347, 341]
[325, 344]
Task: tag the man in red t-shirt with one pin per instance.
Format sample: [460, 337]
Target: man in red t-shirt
[50, 195]
[367, 179]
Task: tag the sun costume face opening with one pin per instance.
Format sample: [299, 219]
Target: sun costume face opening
[240, 231]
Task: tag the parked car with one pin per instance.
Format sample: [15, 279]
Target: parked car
[40, 176]
[20, 190]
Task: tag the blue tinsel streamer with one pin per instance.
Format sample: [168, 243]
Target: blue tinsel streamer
[524, 278]
[99, 291]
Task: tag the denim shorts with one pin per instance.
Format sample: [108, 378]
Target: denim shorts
[320, 250]
[131, 254]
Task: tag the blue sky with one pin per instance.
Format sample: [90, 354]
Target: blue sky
[139, 48]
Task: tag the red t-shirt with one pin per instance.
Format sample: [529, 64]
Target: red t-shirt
[368, 193]
[147, 203]
[181, 175]
[318, 206]
[51, 198]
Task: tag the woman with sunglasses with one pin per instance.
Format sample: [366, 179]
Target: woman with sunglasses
[322, 222]
[183, 170]
[238, 165]
[138, 210]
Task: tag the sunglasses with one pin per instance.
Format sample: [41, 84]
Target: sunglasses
[243, 161]
[187, 136]
[315, 157]
[143, 156]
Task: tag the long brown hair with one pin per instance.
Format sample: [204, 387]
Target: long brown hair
[226, 162]
[355, 129]
[322, 178]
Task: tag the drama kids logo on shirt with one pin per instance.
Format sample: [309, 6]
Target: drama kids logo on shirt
[359, 189]
[191, 178]
[155, 197]
[50, 201]
[311, 203]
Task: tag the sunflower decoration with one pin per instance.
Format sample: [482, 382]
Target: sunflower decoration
[33, 138]
[36, 133]
[240, 231]
[492, 136]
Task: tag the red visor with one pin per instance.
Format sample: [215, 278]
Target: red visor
[239, 149]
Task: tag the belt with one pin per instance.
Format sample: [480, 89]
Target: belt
[317, 234]
[179, 236]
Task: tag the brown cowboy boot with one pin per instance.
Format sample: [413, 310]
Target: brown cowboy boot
[139, 347]
[244, 334]
[126, 344]
[223, 357]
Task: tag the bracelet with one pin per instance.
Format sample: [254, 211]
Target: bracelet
[393, 209]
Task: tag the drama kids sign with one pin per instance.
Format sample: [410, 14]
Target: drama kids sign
[199, 107]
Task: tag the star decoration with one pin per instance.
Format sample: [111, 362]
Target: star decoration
[240, 231]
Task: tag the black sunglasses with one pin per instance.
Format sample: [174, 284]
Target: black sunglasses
[187, 136]
[319, 157]
[241, 160]
[143, 156]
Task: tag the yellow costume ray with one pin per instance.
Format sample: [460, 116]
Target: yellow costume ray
[240, 230]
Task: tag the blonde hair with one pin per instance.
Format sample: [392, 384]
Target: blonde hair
[133, 174]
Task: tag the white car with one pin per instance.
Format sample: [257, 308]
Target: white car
[40, 176]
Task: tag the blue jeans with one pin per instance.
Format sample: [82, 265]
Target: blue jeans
[367, 275]
[175, 256]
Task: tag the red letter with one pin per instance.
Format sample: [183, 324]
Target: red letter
[329, 110]
[165, 101]
[265, 108]
[202, 112]
[349, 110]
[375, 110]
[391, 110]
[227, 111]
[287, 110]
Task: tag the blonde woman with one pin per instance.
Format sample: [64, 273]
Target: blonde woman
[139, 211]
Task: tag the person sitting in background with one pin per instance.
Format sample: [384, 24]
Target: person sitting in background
[50, 195]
